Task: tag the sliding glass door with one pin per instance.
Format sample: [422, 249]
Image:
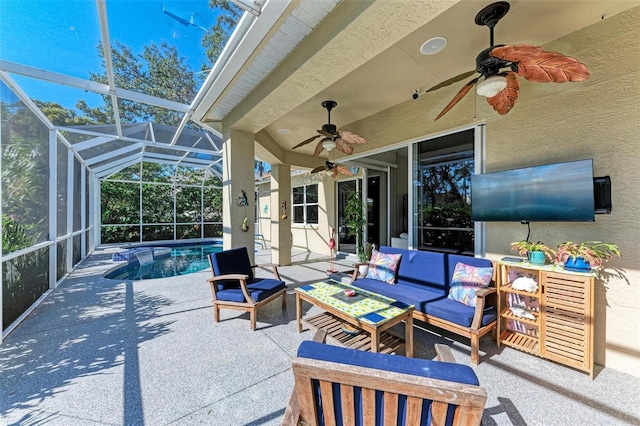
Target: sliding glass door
[442, 169]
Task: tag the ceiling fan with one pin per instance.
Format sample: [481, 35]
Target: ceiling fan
[343, 140]
[500, 66]
[333, 169]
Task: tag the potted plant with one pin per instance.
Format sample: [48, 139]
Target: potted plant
[535, 252]
[586, 255]
[355, 221]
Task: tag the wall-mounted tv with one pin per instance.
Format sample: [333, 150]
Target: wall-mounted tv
[560, 192]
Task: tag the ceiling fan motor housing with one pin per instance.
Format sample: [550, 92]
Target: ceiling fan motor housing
[330, 128]
[488, 65]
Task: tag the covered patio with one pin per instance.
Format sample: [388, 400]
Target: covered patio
[111, 352]
[78, 348]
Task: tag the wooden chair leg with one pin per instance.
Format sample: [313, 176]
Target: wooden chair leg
[284, 300]
[252, 318]
[216, 313]
[475, 347]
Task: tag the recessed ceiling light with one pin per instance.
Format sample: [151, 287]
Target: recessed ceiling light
[433, 46]
[283, 131]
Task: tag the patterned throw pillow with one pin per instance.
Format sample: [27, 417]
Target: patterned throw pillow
[383, 267]
[466, 279]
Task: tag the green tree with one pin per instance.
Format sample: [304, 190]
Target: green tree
[216, 38]
[25, 171]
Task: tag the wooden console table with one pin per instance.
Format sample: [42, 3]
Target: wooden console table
[559, 315]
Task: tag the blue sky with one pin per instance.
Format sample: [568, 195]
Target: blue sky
[62, 36]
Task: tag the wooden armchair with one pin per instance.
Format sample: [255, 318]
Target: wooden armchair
[234, 285]
[335, 386]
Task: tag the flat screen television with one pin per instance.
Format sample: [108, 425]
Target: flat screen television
[560, 192]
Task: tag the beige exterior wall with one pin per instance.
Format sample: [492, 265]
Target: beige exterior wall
[315, 238]
[598, 119]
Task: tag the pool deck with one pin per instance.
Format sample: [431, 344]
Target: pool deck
[112, 352]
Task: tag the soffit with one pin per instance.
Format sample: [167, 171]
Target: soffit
[366, 57]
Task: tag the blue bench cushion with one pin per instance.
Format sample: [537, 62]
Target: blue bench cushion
[259, 289]
[458, 313]
[411, 294]
[458, 373]
[425, 268]
[428, 301]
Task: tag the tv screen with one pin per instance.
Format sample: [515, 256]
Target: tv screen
[561, 192]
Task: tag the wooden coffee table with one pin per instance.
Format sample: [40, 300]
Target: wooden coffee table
[371, 314]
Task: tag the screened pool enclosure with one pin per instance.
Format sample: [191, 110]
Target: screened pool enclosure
[98, 145]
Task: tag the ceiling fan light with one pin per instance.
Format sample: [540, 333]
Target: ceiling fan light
[328, 144]
[490, 86]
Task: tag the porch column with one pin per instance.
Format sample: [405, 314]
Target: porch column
[238, 153]
[280, 228]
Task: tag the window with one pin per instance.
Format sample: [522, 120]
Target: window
[305, 204]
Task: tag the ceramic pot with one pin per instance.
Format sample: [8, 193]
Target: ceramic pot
[536, 257]
[577, 264]
[363, 269]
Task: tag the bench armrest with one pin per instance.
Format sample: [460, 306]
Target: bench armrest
[356, 270]
[444, 353]
[481, 296]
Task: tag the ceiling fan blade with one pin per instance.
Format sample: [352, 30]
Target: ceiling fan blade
[352, 138]
[306, 141]
[318, 169]
[341, 145]
[504, 101]
[326, 134]
[540, 66]
[344, 170]
[452, 80]
[465, 89]
[318, 149]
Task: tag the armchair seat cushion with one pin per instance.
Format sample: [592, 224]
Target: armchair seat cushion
[418, 367]
[259, 289]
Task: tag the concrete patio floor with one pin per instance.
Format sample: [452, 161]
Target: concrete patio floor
[109, 352]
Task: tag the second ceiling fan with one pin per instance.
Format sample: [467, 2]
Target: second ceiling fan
[500, 66]
[342, 140]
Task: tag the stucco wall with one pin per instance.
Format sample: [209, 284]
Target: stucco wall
[598, 119]
[315, 238]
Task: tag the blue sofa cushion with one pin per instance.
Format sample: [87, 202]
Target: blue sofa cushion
[411, 294]
[259, 289]
[426, 268]
[417, 367]
[233, 261]
[458, 313]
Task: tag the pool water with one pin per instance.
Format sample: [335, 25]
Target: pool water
[161, 262]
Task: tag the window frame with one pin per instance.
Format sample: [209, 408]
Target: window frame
[305, 205]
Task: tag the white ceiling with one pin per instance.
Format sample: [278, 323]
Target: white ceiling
[366, 56]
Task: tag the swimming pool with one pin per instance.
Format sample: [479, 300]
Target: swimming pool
[145, 263]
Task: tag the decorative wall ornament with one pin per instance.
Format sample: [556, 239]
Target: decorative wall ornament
[242, 200]
[284, 210]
